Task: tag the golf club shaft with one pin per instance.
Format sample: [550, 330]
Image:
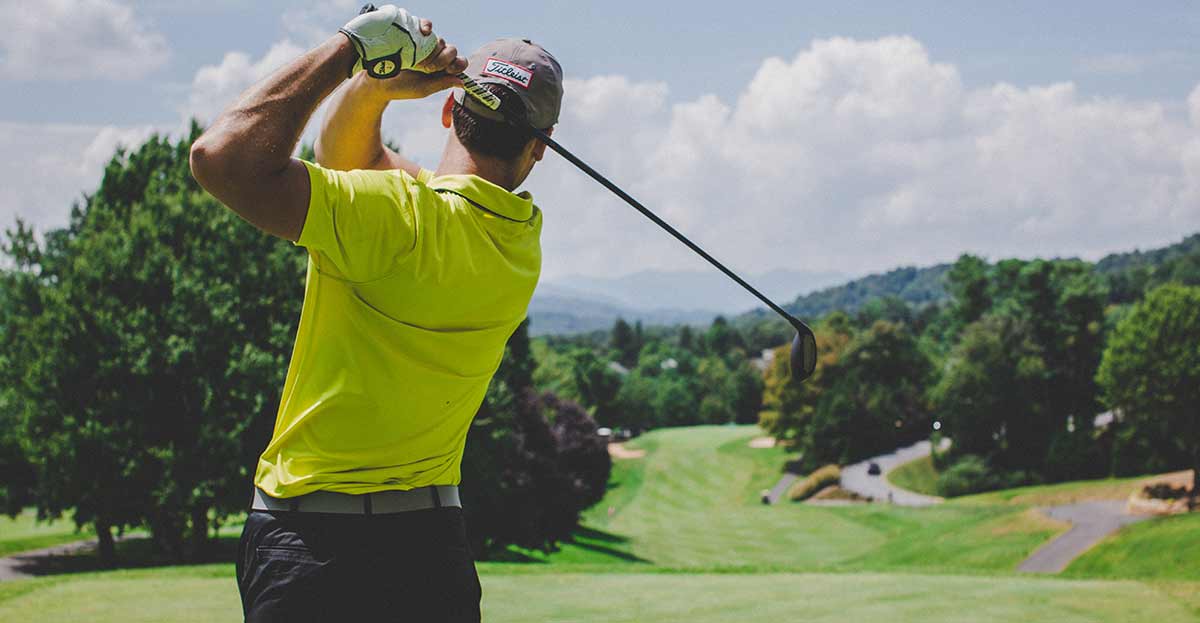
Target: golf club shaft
[583, 166]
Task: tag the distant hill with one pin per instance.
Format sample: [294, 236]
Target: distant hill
[579, 304]
[706, 290]
[1188, 248]
[557, 311]
[917, 286]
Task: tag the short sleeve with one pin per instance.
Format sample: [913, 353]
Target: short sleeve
[359, 223]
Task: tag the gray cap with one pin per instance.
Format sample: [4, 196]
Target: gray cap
[526, 69]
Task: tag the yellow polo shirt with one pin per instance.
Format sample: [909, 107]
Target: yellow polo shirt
[414, 286]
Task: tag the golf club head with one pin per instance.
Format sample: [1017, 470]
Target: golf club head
[804, 351]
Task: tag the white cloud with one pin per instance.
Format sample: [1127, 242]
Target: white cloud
[861, 155]
[45, 168]
[73, 39]
[314, 23]
[850, 156]
[215, 87]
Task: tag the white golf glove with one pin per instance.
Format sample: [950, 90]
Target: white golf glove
[388, 40]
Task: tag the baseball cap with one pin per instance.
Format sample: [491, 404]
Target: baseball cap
[523, 67]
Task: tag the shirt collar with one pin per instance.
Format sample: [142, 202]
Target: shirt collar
[486, 195]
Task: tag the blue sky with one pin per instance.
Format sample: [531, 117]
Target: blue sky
[886, 133]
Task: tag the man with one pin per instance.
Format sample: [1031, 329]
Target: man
[416, 280]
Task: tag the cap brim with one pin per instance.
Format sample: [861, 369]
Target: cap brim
[477, 107]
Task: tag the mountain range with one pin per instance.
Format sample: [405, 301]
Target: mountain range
[580, 304]
[577, 303]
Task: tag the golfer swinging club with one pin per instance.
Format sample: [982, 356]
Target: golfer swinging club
[416, 280]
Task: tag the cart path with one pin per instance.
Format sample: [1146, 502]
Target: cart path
[855, 477]
[1090, 522]
[20, 566]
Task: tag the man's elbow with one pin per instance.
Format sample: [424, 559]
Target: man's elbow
[205, 161]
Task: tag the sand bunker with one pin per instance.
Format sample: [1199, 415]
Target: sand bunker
[619, 451]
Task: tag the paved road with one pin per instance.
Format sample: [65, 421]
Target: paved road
[855, 478]
[780, 489]
[1091, 521]
[28, 564]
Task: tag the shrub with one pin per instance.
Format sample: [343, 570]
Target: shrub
[970, 474]
[809, 485]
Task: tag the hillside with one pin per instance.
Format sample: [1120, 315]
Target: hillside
[580, 304]
[919, 286]
[557, 311]
[686, 297]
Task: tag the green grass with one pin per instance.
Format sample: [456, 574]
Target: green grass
[24, 533]
[208, 594]
[681, 536]
[1060, 493]
[919, 475]
[692, 503]
[1165, 548]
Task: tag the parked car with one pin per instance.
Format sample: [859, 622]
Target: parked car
[873, 469]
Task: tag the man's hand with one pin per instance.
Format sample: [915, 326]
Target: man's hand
[350, 136]
[439, 71]
[389, 40]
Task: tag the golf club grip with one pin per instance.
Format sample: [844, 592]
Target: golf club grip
[583, 166]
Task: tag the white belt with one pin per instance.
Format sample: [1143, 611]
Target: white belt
[379, 503]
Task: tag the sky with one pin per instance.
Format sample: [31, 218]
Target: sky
[778, 135]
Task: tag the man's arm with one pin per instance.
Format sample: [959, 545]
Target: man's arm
[350, 135]
[244, 158]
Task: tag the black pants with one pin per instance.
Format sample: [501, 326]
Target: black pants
[414, 566]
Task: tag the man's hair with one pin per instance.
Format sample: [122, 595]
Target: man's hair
[488, 136]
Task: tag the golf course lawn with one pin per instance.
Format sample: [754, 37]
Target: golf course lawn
[692, 503]
[681, 536]
[919, 475]
[23, 533]
[207, 594]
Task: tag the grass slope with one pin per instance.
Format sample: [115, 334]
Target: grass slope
[207, 594]
[1060, 493]
[1162, 548]
[692, 503]
[681, 536]
[919, 475]
[24, 532]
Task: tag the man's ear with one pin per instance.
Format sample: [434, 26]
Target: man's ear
[448, 110]
[539, 148]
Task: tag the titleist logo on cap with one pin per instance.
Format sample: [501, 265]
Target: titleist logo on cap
[508, 71]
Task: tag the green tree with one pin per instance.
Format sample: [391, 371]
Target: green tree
[722, 338]
[625, 343]
[149, 381]
[1151, 375]
[967, 283]
[991, 396]
[597, 384]
[790, 404]
[532, 462]
[21, 292]
[875, 400]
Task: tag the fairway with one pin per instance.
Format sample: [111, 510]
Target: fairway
[681, 537]
[692, 503]
[208, 594]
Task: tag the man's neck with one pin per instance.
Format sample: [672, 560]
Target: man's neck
[458, 161]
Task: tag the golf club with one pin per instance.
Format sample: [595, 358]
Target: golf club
[803, 357]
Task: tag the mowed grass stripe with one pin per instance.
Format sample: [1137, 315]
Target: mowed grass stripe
[208, 594]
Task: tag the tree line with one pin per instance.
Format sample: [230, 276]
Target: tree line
[1014, 368]
[143, 348]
